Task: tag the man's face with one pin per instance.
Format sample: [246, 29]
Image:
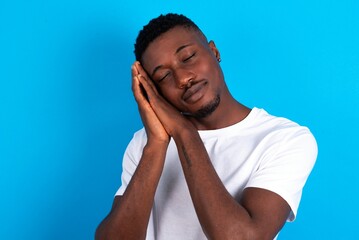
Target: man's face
[185, 69]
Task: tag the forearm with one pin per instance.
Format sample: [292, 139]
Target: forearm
[129, 218]
[218, 212]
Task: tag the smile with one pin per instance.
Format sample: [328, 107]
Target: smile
[195, 92]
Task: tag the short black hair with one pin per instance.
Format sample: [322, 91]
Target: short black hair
[158, 26]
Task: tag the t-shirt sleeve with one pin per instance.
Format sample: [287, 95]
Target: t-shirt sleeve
[286, 166]
[131, 159]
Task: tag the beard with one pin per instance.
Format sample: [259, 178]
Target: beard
[207, 109]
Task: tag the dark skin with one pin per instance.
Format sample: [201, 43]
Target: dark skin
[179, 80]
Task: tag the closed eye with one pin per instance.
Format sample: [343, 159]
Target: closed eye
[161, 79]
[188, 58]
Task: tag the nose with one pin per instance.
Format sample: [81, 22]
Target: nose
[184, 78]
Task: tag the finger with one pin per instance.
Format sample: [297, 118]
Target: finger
[138, 92]
[148, 86]
[136, 88]
[141, 70]
[137, 70]
[134, 70]
[134, 73]
[143, 73]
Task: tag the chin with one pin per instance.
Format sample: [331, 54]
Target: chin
[207, 109]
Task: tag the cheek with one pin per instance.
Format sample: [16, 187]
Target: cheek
[208, 68]
[211, 71]
[170, 94]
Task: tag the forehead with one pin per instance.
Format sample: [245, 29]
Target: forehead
[168, 43]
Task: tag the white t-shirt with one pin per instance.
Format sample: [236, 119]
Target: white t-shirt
[261, 151]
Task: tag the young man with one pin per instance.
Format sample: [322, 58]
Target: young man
[204, 166]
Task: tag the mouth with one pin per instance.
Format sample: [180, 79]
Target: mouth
[195, 92]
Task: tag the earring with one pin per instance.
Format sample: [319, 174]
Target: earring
[219, 60]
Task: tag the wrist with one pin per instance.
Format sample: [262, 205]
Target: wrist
[188, 132]
[157, 144]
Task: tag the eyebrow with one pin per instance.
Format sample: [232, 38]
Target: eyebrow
[177, 51]
[182, 47]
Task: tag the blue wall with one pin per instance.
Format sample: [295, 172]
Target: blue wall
[67, 112]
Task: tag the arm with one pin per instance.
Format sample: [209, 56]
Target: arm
[260, 214]
[130, 213]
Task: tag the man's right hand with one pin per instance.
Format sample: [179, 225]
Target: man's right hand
[155, 131]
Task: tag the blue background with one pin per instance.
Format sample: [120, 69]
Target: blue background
[67, 112]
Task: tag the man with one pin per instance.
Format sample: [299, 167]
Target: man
[204, 166]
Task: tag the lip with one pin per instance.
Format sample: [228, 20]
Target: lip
[195, 92]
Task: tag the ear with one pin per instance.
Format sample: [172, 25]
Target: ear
[215, 51]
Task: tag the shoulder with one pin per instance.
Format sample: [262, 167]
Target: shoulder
[280, 127]
[140, 134]
[139, 137]
[136, 145]
[286, 140]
